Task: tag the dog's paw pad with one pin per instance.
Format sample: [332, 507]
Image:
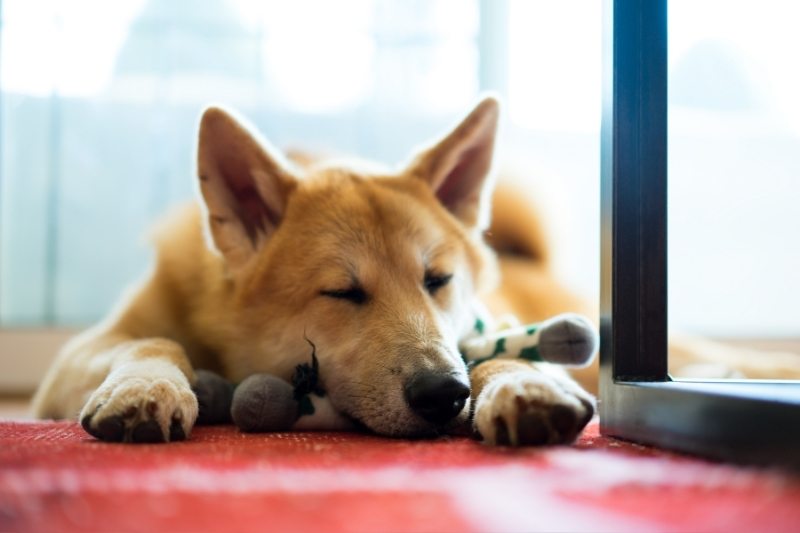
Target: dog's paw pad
[111, 429]
[176, 431]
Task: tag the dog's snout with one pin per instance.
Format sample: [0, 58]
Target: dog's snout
[436, 397]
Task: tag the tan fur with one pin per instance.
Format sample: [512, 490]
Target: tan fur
[237, 284]
[243, 280]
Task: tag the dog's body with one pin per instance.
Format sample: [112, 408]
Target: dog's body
[383, 271]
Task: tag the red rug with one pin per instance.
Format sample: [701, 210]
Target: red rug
[55, 478]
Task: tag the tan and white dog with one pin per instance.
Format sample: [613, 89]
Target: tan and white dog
[381, 269]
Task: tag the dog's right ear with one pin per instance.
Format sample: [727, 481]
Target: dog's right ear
[245, 186]
[457, 167]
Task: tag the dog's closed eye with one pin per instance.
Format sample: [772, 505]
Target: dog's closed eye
[433, 282]
[354, 294]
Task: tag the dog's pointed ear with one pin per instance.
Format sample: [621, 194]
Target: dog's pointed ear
[458, 166]
[244, 183]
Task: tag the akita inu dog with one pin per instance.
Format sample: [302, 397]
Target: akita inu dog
[381, 269]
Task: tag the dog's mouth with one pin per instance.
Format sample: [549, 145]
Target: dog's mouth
[423, 431]
[403, 423]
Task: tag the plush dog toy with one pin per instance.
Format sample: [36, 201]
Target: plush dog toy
[566, 339]
[264, 403]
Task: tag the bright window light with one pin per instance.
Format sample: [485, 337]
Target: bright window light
[554, 64]
[100, 102]
[734, 162]
[69, 47]
[759, 38]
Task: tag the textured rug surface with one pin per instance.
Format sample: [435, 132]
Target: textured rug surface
[55, 478]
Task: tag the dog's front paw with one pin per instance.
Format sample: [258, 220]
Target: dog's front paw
[151, 404]
[532, 408]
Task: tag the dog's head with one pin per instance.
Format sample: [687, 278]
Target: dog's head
[378, 269]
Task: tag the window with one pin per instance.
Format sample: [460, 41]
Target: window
[98, 119]
[744, 421]
[734, 160]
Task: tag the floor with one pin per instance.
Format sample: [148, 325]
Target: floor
[54, 477]
[15, 407]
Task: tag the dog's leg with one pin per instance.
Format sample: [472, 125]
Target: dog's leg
[524, 404]
[131, 390]
[125, 380]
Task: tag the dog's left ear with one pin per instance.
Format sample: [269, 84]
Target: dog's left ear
[457, 167]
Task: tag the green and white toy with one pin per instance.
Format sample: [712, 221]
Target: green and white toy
[267, 403]
[566, 339]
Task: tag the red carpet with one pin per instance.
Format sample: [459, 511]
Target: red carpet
[54, 478]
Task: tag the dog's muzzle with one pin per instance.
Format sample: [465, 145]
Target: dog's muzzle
[437, 397]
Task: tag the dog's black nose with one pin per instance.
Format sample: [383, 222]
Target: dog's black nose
[436, 397]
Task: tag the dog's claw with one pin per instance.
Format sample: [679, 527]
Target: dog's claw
[111, 429]
[147, 431]
[86, 424]
[176, 431]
